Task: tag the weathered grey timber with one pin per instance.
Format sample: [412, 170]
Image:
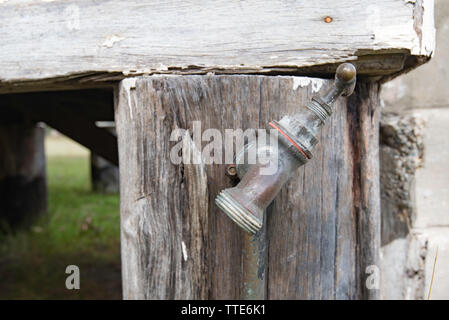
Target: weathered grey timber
[66, 44]
[324, 229]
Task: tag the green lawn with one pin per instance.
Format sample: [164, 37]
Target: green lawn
[81, 228]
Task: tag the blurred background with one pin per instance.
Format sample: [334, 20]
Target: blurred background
[81, 227]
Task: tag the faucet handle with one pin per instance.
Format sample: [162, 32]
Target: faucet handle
[345, 78]
[344, 84]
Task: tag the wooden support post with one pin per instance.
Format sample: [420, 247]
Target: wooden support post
[83, 131]
[323, 230]
[23, 187]
[104, 174]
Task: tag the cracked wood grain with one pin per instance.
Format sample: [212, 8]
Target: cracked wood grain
[323, 228]
[62, 44]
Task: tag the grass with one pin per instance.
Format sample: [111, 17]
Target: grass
[81, 228]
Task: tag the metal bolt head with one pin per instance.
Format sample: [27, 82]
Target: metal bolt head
[231, 170]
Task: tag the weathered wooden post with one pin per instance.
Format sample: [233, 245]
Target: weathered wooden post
[231, 65]
[23, 188]
[23, 182]
[324, 229]
[104, 174]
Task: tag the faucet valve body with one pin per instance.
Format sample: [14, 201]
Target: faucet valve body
[295, 139]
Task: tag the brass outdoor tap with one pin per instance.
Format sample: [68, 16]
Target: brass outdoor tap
[294, 139]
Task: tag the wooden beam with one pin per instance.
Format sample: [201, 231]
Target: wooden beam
[73, 113]
[323, 229]
[10, 115]
[94, 105]
[83, 131]
[66, 44]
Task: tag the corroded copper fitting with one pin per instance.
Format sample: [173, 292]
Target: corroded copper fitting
[296, 136]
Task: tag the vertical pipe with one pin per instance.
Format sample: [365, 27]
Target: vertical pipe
[254, 264]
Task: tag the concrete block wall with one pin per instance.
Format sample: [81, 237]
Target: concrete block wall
[424, 93]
